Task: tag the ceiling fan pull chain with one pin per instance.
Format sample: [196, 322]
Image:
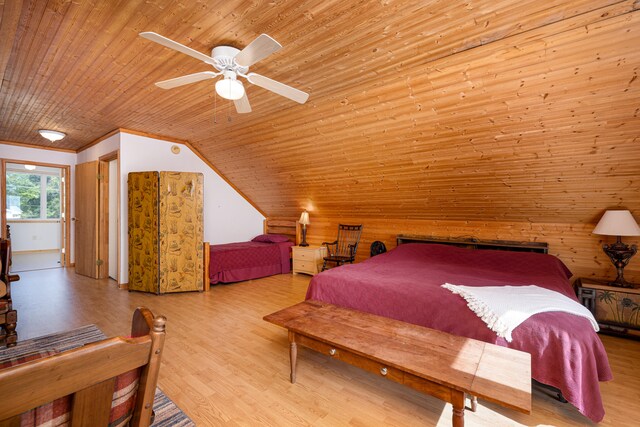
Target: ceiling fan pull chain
[215, 107]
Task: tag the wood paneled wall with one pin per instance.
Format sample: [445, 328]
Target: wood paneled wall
[574, 244]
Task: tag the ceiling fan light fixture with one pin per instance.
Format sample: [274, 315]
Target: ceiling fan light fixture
[229, 88]
[51, 135]
[231, 63]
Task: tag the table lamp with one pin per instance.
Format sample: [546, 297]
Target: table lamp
[618, 223]
[304, 220]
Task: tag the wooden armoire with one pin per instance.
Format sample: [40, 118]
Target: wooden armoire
[165, 231]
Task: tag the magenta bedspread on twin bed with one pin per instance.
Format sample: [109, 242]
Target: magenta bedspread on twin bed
[405, 284]
[234, 262]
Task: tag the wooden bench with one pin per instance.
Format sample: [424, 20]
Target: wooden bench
[433, 362]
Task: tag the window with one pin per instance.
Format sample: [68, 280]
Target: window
[53, 197]
[32, 195]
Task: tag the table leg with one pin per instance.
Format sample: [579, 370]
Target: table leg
[293, 355]
[457, 401]
[474, 403]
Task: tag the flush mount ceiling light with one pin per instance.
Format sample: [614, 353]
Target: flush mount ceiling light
[51, 135]
[229, 87]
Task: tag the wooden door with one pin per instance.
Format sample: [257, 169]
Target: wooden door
[103, 219]
[86, 219]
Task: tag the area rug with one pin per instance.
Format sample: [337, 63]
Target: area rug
[167, 413]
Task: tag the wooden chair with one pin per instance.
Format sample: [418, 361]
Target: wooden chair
[89, 375]
[344, 248]
[8, 316]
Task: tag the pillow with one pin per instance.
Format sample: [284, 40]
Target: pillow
[270, 238]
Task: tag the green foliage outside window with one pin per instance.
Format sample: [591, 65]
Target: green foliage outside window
[53, 197]
[24, 196]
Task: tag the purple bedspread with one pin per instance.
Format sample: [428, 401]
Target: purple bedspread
[234, 262]
[405, 284]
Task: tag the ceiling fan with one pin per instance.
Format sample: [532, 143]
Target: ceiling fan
[231, 63]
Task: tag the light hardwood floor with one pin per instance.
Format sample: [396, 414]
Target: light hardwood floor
[223, 365]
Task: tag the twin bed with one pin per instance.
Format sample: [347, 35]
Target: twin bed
[265, 255]
[406, 284]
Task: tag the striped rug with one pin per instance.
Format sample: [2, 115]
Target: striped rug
[167, 413]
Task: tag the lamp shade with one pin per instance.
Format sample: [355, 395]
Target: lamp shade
[617, 223]
[230, 89]
[51, 135]
[304, 218]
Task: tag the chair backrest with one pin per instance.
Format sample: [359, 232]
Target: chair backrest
[5, 253]
[8, 316]
[5, 257]
[4, 262]
[89, 375]
[348, 239]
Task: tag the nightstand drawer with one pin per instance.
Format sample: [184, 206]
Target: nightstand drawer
[306, 266]
[305, 255]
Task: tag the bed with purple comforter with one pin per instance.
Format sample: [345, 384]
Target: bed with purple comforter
[405, 284]
[235, 262]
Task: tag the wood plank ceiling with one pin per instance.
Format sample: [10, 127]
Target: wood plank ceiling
[472, 110]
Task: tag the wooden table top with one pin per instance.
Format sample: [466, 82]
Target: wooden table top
[488, 371]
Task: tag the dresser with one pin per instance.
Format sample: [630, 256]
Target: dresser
[308, 259]
[616, 309]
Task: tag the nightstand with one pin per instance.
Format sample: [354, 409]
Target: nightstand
[617, 310]
[308, 259]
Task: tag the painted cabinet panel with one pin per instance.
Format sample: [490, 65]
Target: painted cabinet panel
[165, 231]
[616, 309]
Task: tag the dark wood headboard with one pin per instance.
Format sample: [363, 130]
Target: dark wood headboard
[286, 226]
[473, 243]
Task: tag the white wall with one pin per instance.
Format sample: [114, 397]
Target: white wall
[61, 158]
[228, 217]
[35, 236]
[106, 146]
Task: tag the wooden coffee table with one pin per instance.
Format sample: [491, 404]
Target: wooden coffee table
[433, 362]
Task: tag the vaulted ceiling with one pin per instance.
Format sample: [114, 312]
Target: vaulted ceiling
[472, 110]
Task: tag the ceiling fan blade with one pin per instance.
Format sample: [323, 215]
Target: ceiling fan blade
[258, 49]
[154, 37]
[185, 80]
[242, 104]
[279, 88]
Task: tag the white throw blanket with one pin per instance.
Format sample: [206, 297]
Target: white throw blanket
[503, 308]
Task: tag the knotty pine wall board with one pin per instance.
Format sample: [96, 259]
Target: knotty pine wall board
[574, 244]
